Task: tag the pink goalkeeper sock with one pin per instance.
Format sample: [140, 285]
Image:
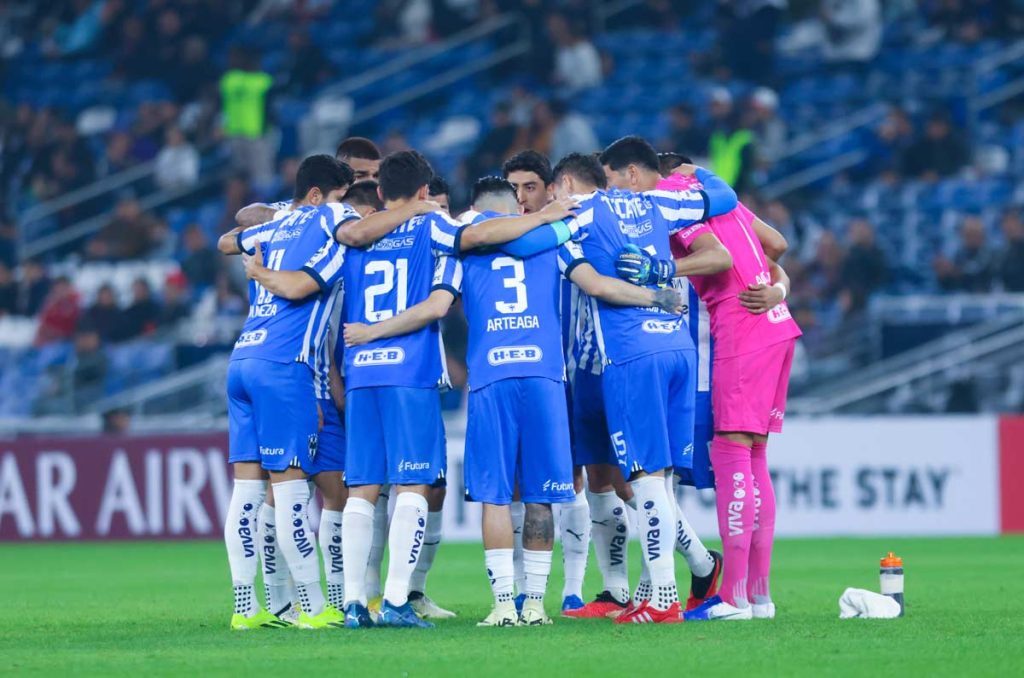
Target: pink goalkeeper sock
[764, 526]
[734, 494]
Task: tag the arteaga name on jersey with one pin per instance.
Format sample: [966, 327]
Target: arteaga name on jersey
[503, 355]
[392, 355]
[513, 322]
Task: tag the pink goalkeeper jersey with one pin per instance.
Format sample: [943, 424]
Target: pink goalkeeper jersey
[736, 330]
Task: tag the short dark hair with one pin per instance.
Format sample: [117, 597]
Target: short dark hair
[583, 166]
[670, 160]
[357, 147]
[323, 172]
[492, 185]
[438, 186]
[402, 174]
[364, 193]
[528, 161]
[630, 150]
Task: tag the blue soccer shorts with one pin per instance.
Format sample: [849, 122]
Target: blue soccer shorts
[330, 452]
[272, 414]
[395, 435]
[649, 402]
[518, 433]
[700, 475]
[591, 444]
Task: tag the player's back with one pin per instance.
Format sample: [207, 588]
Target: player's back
[610, 220]
[279, 329]
[512, 306]
[395, 273]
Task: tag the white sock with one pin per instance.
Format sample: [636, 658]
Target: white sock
[610, 533]
[688, 544]
[275, 570]
[240, 535]
[656, 518]
[574, 523]
[377, 544]
[356, 533]
[537, 565]
[297, 542]
[330, 551]
[405, 541]
[643, 587]
[501, 573]
[432, 539]
[518, 511]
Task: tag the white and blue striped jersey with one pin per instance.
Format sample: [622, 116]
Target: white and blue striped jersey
[399, 271]
[283, 330]
[699, 323]
[606, 222]
[512, 306]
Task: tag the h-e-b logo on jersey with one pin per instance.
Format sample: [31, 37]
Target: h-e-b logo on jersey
[379, 356]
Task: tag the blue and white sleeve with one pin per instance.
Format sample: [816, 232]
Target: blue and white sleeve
[570, 255]
[680, 208]
[342, 213]
[247, 238]
[445, 233]
[448, 275]
[325, 264]
[579, 225]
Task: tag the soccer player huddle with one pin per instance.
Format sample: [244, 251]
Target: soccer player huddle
[628, 334]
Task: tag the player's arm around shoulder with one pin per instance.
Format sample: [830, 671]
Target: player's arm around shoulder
[500, 230]
[371, 228]
[773, 242]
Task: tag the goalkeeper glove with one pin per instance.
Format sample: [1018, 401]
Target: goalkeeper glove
[640, 268]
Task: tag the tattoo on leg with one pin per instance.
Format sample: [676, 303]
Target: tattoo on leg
[538, 527]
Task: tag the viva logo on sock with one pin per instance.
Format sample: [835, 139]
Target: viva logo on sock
[245, 532]
[682, 538]
[299, 534]
[739, 492]
[617, 548]
[417, 541]
[334, 549]
[653, 534]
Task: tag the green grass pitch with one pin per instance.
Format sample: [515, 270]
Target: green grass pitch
[163, 608]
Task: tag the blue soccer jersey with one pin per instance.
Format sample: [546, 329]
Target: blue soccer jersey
[512, 306]
[283, 330]
[399, 271]
[608, 221]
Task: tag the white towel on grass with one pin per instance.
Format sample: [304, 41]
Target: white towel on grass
[858, 603]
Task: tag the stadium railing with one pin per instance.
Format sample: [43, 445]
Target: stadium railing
[198, 390]
[483, 32]
[994, 343]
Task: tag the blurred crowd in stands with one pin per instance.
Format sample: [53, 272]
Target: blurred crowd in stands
[191, 89]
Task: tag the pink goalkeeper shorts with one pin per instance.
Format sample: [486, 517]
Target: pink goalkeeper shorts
[748, 392]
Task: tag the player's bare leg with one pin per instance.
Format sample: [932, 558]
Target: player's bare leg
[332, 489]
[240, 537]
[498, 539]
[421, 602]
[574, 526]
[538, 541]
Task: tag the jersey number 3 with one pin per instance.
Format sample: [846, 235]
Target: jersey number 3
[516, 281]
[396, 277]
